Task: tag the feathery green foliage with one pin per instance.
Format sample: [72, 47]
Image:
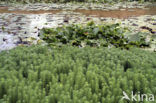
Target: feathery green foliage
[40, 74]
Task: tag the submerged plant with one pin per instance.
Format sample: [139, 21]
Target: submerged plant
[3, 29]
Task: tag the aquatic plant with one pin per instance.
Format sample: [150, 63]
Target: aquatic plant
[43, 74]
[93, 35]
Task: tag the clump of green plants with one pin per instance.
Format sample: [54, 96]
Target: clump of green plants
[93, 35]
[43, 74]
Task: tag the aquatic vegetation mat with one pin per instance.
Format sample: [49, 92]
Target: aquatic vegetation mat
[40, 74]
[94, 35]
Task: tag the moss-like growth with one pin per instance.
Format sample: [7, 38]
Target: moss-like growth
[40, 74]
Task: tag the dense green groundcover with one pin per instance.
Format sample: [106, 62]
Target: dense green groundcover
[102, 35]
[40, 74]
[64, 1]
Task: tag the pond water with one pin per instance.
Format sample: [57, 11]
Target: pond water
[22, 27]
[121, 13]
